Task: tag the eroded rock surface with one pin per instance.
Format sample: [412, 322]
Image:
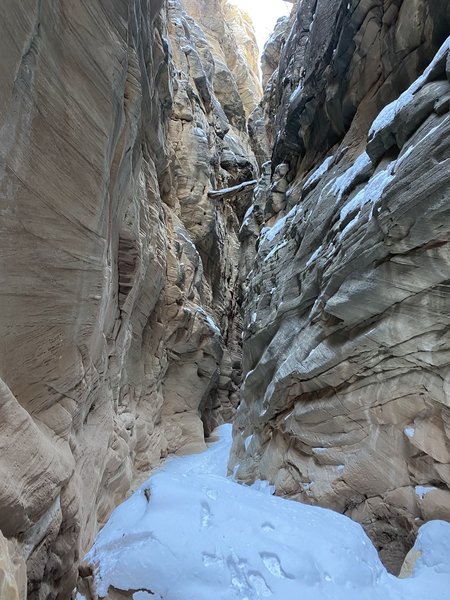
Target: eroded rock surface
[120, 329]
[346, 399]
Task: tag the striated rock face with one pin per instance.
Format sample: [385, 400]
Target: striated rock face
[120, 327]
[346, 399]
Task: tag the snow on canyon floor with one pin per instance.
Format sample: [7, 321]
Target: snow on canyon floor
[202, 536]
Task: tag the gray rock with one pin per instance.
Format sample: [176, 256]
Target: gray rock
[345, 355]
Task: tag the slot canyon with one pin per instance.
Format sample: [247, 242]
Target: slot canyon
[189, 238]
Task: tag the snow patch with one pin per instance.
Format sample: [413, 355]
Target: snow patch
[263, 486]
[347, 179]
[371, 193]
[314, 256]
[268, 234]
[389, 112]
[433, 546]
[319, 172]
[412, 147]
[422, 491]
[209, 320]
[275, 250]
[247, 442]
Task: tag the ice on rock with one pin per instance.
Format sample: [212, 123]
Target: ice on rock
[248, 375]
[247, 217]
[249, 212]
[203, 536]
[188, 241]
[409, 432]
[263, 487]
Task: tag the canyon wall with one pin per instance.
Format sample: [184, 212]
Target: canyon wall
[120, 329]
[346, 398]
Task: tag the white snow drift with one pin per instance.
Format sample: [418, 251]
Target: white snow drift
[191, 533]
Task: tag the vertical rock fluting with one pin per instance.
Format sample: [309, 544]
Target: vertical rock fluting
[346, 400]
[116, 119]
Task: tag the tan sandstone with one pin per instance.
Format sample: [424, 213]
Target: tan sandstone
[120, 332]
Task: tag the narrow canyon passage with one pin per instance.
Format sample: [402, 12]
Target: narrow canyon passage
[190, 239]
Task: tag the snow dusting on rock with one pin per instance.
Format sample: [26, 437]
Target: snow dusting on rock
[389, 112]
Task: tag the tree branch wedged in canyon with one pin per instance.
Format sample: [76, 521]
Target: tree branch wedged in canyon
[246, 186]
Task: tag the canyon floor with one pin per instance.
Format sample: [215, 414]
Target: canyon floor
[192, 532]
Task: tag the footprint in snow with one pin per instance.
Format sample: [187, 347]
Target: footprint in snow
[212, 494]
[209, 560]
[258, 583]
[206, 515]
[267, 527]
[273, 565]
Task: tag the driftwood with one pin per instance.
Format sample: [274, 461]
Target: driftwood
[246, 186]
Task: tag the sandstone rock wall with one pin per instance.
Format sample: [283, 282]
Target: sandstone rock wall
[346, 399]
[116, 119]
